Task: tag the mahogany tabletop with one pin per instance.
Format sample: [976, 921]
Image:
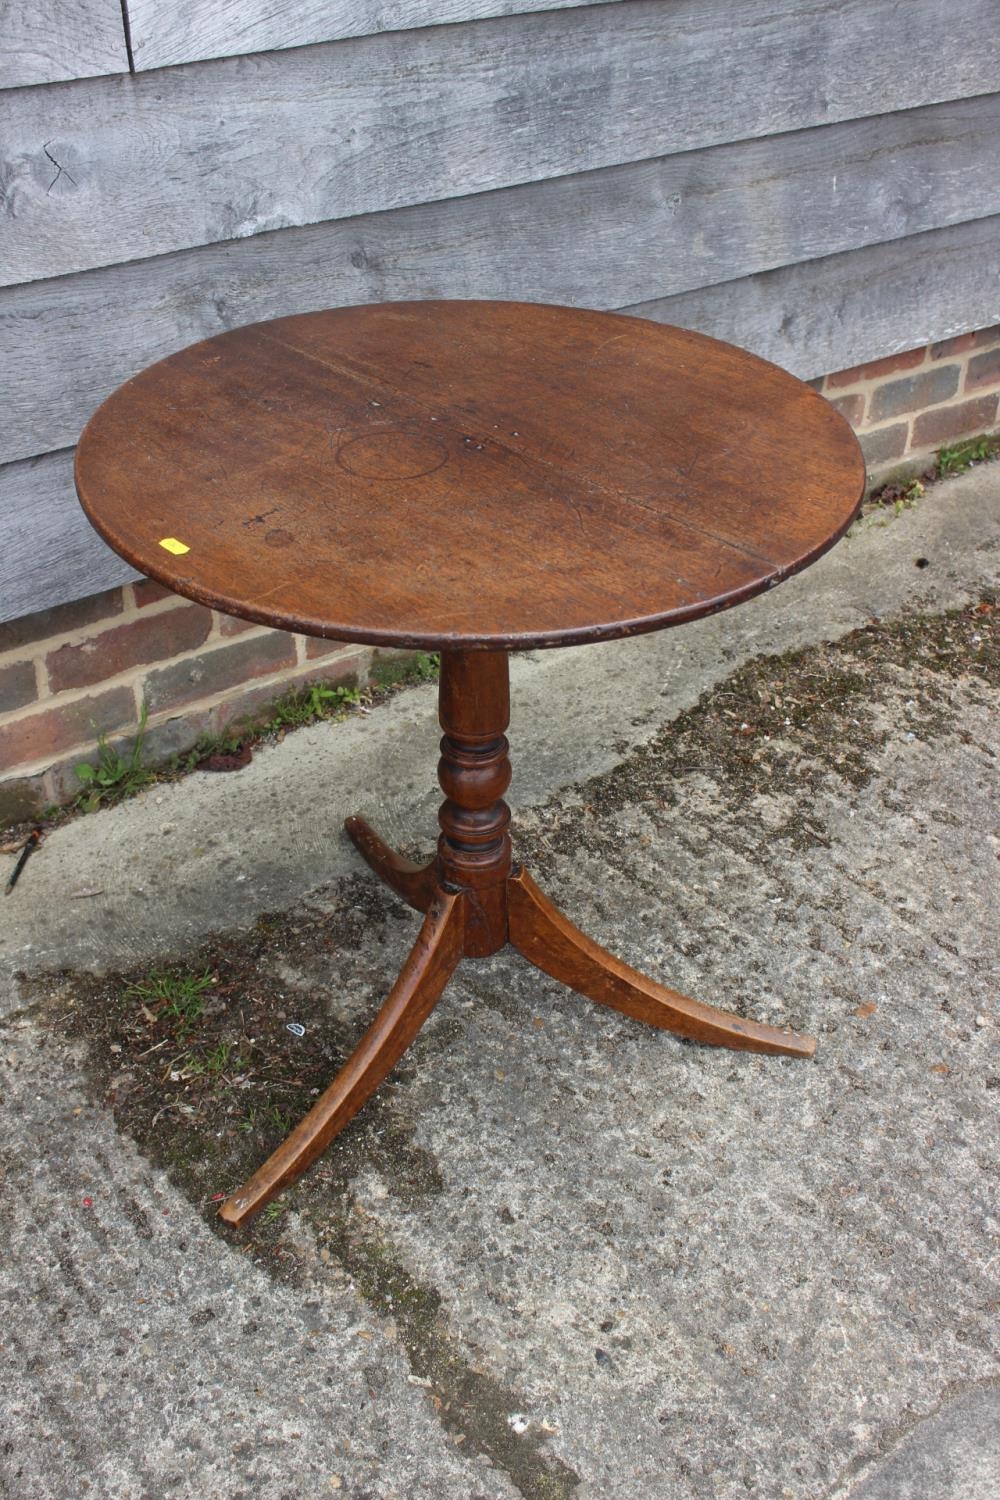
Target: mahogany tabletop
[467, 474]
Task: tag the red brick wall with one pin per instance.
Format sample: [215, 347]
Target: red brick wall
[907, 406]
[84, 669]
[69, 674]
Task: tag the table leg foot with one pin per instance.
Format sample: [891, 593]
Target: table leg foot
[415, 883]
[540, 932]
[411, 1000]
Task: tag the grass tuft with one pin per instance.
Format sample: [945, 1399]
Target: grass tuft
[961, 456]
[179, 996]
[115, 776]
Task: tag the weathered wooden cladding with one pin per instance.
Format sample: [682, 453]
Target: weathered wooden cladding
[820, 315]
[48, 41]
[612, 237]
[831, 314]
[50, 552]
[108, 170]
[191, 30]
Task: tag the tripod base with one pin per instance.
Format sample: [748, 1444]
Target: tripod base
[475, 902]
[540, 932]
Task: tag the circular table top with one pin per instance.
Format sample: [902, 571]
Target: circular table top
[467, 474]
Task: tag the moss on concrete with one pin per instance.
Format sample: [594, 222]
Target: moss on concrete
[788, 728]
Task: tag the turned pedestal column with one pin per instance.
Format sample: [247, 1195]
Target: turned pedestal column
[474, 854]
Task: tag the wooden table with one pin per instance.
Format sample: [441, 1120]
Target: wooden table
[470, 478]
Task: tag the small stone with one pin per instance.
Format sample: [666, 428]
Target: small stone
[980, 1021]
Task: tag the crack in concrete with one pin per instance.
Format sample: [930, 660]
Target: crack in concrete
[471, 1405]
[866, 1465]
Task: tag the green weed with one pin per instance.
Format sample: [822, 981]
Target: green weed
[181, 997]
[318, 700]
[961, 456]
[279, 1119]
[912, 492]
[115, 776]
[226, 742]
[398, 671]
[427, 666]
[306, 705]
[213, 1062]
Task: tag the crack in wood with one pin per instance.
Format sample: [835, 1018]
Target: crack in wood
[60, 170]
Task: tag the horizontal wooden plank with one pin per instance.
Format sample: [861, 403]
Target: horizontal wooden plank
[120, 169]
[45, 41]
[831, 314]
[49, 552]
[814, 317]
[190, 30]
[618, 235]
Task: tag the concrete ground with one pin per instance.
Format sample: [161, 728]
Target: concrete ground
[560, 1254]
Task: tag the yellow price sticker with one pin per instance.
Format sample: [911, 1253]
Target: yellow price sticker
[173, 545]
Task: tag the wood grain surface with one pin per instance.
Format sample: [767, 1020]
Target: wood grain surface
[617, 236]
[229, 149]
[419, 987]
[468, 473]
[844, 310]
[414, 883]
[188, 30]
[548, 939]
[46, 41]
[49, 552]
